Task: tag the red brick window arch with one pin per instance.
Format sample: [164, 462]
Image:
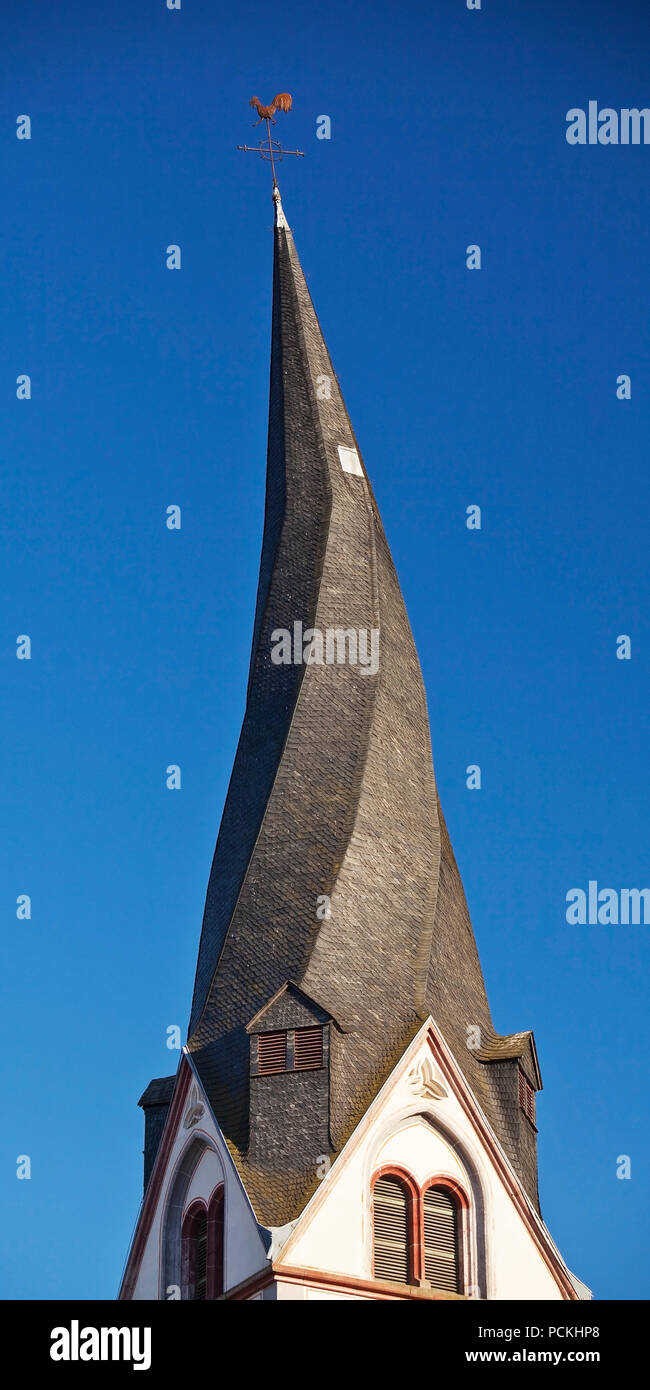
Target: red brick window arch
[395, 1226]
[419, 1233]
[445, 1211]
[202, 1247]
[440, 1244]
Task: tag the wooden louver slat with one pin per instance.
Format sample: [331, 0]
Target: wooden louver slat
[391, 1253]
[272, 1052]
[307, 1048]
[440, 1240]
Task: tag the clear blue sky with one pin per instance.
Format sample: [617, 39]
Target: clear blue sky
[149, 387]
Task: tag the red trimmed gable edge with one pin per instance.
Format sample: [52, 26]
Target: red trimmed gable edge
[533, 1224]
[154, 1186]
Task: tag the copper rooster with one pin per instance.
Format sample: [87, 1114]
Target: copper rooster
[266, 113]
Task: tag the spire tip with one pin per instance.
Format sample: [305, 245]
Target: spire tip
[280, 219]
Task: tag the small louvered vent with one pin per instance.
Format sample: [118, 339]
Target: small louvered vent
[440, 1240]
[526, 1097]
[200, 1257]
[390, 1206]
[307, 1048]
[272, 1052]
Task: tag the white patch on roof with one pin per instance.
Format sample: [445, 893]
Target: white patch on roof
[350, 462]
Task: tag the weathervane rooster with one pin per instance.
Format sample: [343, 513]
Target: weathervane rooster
[266, 113]
[270, 149]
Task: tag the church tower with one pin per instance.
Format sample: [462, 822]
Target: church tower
[345, 1122]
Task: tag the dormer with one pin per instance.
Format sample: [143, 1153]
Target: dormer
[290, 1045]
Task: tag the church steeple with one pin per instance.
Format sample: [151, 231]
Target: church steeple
[344, 1121]
[334, 901]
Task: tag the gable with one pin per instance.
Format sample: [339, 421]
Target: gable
[426, 1124]
[290, 1007]
[191, 1162]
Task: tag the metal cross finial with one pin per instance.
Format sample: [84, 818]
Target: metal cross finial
[269, 149]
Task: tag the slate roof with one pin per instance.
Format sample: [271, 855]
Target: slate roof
[158, 1092]
[519, 1045]
[333, 792]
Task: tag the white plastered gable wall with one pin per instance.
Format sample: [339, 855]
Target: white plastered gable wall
[201, 1149]
[417, 1123]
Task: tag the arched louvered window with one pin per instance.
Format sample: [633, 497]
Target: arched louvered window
[440, 1214]
[420, 1234]
[391, 1229]
[195, 1253]
[202, 1248]
[215, 1283]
